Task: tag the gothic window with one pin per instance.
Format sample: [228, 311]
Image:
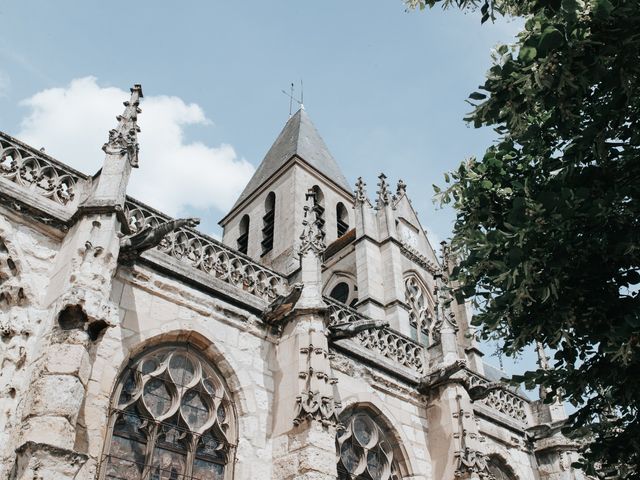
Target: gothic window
[268, 221]
[340, 292]
[243, 237]
[499, 469]
[420, 311]
[319, 207]
[171, 419]
[365, 451]
[342, 219]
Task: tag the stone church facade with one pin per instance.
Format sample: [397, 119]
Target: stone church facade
[317, 340]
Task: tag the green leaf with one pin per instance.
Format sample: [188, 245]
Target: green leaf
[487, 184]
[477, 96]
[551, 38]
[602, 8]
[527, 54]
[436, 188]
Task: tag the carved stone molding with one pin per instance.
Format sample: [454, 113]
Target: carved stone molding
[124, 139]
[384, 194]
[312, 237]
[415, 256]
[207, 254]
[37, 172]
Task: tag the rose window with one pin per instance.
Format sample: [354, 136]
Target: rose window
[172, 420]
[364, 451]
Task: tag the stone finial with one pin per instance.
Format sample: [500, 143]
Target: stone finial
[124, 138]
[401, 189]
[384, 195]
[312, 236]
[360, 192]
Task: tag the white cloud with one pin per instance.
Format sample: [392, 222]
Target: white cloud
[72, 124]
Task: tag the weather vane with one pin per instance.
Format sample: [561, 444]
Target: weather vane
[294, 99]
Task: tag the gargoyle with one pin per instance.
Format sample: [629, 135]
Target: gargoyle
[478, 392]
[282, 305]
[133, 245]
[351, 329]
[441, 373]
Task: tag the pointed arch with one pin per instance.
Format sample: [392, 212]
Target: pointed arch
[399, 467]
[319, 207]
[347, 279]
[243, 235]
[421, 308]
[172, 412]
[268, 223]
[342, 219]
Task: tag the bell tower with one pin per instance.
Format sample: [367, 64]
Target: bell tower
[266, 221]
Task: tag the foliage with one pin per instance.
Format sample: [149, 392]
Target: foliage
[548, 222]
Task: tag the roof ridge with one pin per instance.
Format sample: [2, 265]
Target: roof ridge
[299, 137]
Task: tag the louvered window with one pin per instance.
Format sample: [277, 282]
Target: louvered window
[268, 223]
[243, 237]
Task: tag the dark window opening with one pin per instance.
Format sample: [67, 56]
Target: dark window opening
[319, 208]
[342, 219]
[340, 292]
[268, 221]
[243, 238]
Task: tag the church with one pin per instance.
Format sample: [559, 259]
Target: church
[318, 340]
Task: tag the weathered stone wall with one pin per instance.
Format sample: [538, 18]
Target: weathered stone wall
[155, 309]
[26, 254]
[396, 405]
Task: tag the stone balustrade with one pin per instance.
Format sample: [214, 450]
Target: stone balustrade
[504, 401]
[208, 255]
[384, 342]
[38, 172]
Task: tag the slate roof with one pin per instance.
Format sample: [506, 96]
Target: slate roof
[494, 374]
[298, 137]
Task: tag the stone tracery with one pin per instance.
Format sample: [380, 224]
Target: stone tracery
[172, 418]
[364, 450]
[420, 313]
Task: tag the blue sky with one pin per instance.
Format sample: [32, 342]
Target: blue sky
[386, 89]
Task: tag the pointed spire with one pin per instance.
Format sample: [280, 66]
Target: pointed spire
[360, 193]
[124, 138]
[299, 138]
[312, 236]
[401, 189]
[384, 195]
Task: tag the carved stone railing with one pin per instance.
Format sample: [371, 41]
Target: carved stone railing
[415, 256]
[503, 401]
[208, 255]
[38, 172]
[385, 342]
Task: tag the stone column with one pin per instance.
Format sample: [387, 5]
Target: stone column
[368, 258]
[78, 298]
[458, 452]
[306, 414]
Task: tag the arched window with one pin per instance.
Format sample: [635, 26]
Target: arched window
[171, 418]
[268, 221]
[340, 292]
[342, 219]
[319, 207]
[364, 450]
[243, 236]
[499, 468]
[420, 311]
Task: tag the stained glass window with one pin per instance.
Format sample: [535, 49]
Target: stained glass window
[364, 450]
[171, 420]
